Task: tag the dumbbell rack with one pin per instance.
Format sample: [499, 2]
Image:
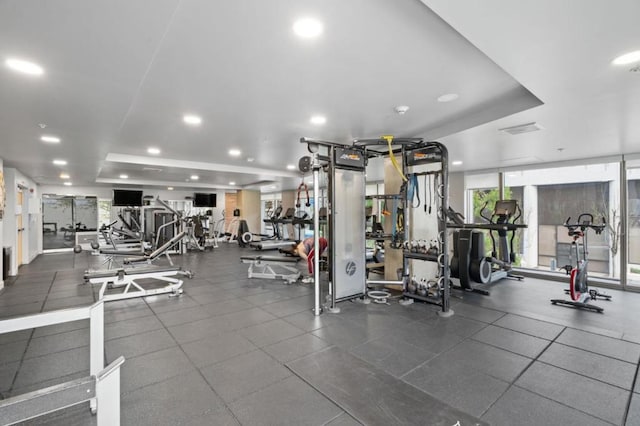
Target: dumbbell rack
[416, 152]
[430, 153]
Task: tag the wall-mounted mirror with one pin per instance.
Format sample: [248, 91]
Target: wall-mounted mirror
[63, 216]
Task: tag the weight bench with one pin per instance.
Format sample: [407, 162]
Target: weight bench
[261, 267]
[126, 278]
[139, 258]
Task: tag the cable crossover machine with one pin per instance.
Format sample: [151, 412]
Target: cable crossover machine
[345, 165]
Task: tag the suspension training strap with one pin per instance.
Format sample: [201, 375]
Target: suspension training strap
[413, 191]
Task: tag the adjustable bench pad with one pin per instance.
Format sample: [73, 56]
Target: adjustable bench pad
[121, 252]
[108, 273]
[269, 259]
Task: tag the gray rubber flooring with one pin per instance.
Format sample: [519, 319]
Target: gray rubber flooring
[235, 351]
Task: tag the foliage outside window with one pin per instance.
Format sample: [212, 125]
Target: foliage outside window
[487, 198]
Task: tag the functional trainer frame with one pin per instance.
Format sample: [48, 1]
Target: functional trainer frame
[346, 165]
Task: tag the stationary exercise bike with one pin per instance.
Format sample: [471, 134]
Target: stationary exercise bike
[579, 289]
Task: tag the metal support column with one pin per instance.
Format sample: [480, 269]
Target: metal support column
[317, 309]
[443, 259]
[624, 235]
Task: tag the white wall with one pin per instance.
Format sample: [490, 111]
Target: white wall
[9, 220]
[456, 191]
[31, 218]
[100, 192]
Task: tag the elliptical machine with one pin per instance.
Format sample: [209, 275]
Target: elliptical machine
[469, 261]
[578, 281]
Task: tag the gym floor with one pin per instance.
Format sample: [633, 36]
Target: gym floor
[236, 351]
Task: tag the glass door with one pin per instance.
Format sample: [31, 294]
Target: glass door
[58, 229]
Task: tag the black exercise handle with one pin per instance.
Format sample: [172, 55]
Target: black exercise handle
[109, 225]
[488, 219]
[518, 214]
[589, 222]
[301, 187]
[601, 227]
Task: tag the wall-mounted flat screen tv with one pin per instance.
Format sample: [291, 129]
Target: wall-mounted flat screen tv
[127, 198]
[204, 200]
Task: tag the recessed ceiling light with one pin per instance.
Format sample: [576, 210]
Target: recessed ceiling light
[124, 176]
[60, 162]
[448, 97]
[291, 167]
[153, 151]
[251, 159]
[235, 152]
[193, 120]
[456, 163]
[308, 27]
[318, 120]
[401, 109]
[195, 177]
[232, 183]
[64, 176]
[627, 58]
[24, 67]
[68, 184]
[50, 139]
[170, 188]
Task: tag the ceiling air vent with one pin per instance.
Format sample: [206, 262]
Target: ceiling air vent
[521, 128]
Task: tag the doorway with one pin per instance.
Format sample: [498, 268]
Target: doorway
[20, 228]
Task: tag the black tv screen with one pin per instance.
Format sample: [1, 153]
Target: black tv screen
[127, 198]
[204, 200]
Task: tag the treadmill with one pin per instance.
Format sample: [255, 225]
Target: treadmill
[287, 218]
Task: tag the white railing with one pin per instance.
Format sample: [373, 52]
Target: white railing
[101, 388]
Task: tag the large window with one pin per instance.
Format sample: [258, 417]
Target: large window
[633, 223]
[547, 198]
[558, 203]
[484, 201]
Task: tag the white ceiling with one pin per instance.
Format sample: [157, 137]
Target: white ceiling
[562, 52]
[120, 74]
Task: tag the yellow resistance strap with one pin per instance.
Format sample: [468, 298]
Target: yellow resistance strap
[389, 139]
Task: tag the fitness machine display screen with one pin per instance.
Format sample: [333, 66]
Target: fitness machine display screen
[505, 207]
[127, 198]
[204, 200]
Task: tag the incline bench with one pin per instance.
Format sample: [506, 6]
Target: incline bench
[126, 278]
[261, 267]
